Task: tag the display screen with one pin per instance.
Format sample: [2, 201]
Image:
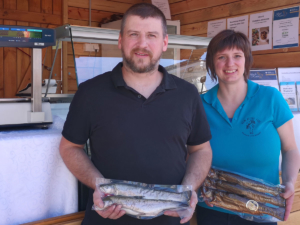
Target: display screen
[20, 33]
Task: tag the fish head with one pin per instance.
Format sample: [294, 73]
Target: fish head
[107, 188]
[107, 201]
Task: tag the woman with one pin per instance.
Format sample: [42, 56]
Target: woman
[249, 123]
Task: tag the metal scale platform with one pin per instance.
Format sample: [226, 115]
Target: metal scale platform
[33, 110]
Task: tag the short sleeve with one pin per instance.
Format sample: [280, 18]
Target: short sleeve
[281, 110]
[200, 132]
[77, 126]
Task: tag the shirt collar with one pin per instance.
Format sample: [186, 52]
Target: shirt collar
[167, 82]
[211, 96]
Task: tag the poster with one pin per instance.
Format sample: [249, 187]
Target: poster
[238, 24]
[289, 74]
[260, 31]
[164, 6]
[286, 28]
[214, 27]
[264, 77]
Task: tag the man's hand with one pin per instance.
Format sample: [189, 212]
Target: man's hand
[112, 212]
[193, 203]
[289, 196]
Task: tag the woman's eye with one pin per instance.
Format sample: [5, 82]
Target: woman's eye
[221, 57]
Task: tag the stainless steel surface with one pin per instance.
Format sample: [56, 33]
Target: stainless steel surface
[36, 79]
[5, 100]
[110, 36]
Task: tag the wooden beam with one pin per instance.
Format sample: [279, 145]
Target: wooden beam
[83, 14]
[46, 6]
[290, 59]
[34, 5]
[21, 15]
[57, 7]
[103, 5]
[22, 5]
[10, 4]
[192, 5]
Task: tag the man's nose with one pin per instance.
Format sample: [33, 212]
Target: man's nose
[142, 41]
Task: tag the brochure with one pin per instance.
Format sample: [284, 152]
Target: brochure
[288, 90]
[286, 28]
[289, 74]
[265, 77]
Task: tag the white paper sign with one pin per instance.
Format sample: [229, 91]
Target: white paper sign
[289, 74]
[214, 27]
[239, 24]
[164, 6]
[288, 90]
[260, 31]
[286, 28]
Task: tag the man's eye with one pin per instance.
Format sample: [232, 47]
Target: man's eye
[152, 35]
[133, 34]
[237, 56]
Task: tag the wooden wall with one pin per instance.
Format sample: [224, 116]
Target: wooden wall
[15, 68]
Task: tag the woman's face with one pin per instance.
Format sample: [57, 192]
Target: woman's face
[230, 65]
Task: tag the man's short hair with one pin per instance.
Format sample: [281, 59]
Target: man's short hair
[145, 10]
[228, 39]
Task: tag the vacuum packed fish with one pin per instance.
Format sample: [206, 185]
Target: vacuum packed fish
[143, 207]
[240, 190]
[143, 192]
[240, 204]
[245, 182]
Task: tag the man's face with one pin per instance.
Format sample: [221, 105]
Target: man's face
[142, 43]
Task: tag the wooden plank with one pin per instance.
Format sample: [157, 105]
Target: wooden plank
[83, 14]
[294, 219]
[34, 5]
[232, 9]
[46, 6]
[10, 4]
[212, 13]
[192, 5]
[296, 203]
[57, 66]
[59, 219]
[289, 59]
[174, 1]
[103, 5]
[71, 73]
[83, 23]
[10, 68]
[72, 84]
[23, 59]
[22, 5]
[57, 7]
[194, 29]
[20, 15]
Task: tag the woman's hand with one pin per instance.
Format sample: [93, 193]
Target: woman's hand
[289, 196]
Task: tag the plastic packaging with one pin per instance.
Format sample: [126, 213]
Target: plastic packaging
[145, 201]
[250, 198]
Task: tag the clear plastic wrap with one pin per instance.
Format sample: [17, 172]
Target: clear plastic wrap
[145, 201]
[251, 198]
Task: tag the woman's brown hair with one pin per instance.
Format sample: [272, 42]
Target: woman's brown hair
[228, 39]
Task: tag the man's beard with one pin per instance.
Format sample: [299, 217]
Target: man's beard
[128, 60]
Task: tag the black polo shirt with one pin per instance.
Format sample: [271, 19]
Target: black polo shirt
[134, 138]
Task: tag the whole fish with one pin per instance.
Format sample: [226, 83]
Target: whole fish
[143, 192]
[245, 182]
[239, 204]
[239, 190]
[143, 207]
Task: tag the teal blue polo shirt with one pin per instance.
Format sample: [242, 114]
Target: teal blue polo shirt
[250, 144]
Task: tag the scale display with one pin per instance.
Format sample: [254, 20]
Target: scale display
[29, 37]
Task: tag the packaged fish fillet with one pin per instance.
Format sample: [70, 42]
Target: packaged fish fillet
[249, 197]
[145, 201]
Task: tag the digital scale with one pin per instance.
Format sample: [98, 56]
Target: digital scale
[33, 110]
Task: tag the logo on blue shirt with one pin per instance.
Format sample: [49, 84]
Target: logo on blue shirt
[249, 126]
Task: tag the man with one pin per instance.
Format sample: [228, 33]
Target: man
[139, 120]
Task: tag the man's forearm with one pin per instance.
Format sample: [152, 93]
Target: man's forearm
[198, 166]
[80, 165]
